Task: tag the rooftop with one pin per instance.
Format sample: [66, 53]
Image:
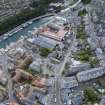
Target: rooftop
[55, 29]
[54, 34]
[69, 82]
[90, 74]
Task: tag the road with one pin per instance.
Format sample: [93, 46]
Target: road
[58, 73]
[57, 92]
[75, 4]
[60, 68]
[5, 69]
[62, 65]
[70, 7]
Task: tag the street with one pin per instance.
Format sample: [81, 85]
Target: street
[58, 74]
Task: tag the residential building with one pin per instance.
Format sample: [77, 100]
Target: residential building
[90, 74]
[68, 82]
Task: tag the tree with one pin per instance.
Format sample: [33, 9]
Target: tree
[90, 95]
[82, 12]
[44, 52]
[86, 1]
[93, 62]
[81, 31]
[84, 54]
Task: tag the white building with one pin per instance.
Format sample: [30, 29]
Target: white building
[3, 79]
[90, 74]
[79, 67]
[35, 66]
[68, 82]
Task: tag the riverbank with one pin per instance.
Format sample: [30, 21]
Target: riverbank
[18, 28]
[15, 34]
[25, 15]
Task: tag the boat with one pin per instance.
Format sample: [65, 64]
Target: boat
[5, 34]
[29, 31]
[25, 25]
[6, 50]
[2, 50]
[5, 37]
[17, 30]
[30, 22]
[35, 28]
[10, 34]
[21, 28]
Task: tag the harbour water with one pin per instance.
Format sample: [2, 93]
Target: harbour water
[13, 37]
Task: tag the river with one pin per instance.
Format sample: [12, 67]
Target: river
[23, 32]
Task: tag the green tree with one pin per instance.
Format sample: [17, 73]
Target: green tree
[93, 62]
[44, 52]
[90, 95]
[82, 12]
[81, 31]
[84, 54]
[86, 1]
